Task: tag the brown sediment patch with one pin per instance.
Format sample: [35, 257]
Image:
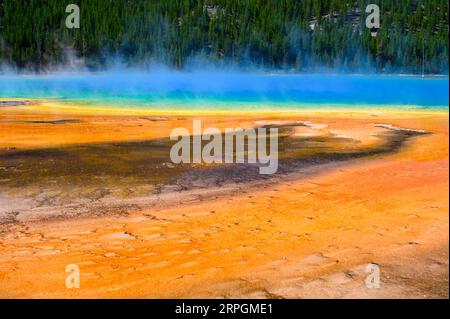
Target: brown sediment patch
[13, 103]
[78, 180]
[54, 122]
[154, 118]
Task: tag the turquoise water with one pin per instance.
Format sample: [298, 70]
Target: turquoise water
[214, 90]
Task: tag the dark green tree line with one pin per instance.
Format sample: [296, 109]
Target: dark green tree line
[295, 35]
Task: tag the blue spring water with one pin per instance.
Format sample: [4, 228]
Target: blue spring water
[229, 90]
